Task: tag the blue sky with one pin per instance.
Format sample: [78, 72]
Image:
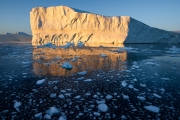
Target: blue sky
[163, 14]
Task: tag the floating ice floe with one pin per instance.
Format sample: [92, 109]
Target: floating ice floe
[174, 50]
[141, 98]
[52, 111]
[53, 95]
[40, 82]
[17, 105]
[156, 95]
[77, 97]
[100, 101]
[80, 78]
[97, 114]
[130, 86]
[61, 96]
[88, 80]
[152, 108]
[38, 115]
[126, 97]
[165, 78]
[109, 97]
[47, 116]
[124, 83]
[143, 85]
[67, 66]
[27, 62]
[82, 73]
[63, 117]
[103, 107]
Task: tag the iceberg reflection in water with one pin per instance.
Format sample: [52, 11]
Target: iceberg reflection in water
[48, 61]
[137, 81]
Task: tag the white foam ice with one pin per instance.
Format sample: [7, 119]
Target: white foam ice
[39, 82]
[124, 83]
[67, 66]
[52, 111]
[156, 95]
[141, 98]
[82, 73]
[152, 108]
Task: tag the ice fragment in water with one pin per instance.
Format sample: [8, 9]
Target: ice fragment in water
[97, 113]
[124, 83]
[53, 95]
[125, 96]
[88, 80]
[130, 86]
[67, 66]
[109, 97]
[39, 82]
[47, 116]
[82, 73]
[63, 117]
[38, 115]
[61, 96]
[156, 95]
[17, 105]
[52, 111]
[141, 98]
[103, 107]
[152, 108]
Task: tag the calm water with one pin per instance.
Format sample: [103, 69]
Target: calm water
[133, 81]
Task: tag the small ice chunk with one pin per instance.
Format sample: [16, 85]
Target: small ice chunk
[123, 117]
[88, 94]
[17, 104]
[156, 95]
[143, 85]
[61, 96]
[63, 117]
[100, 102]
[109, 97]
[165, 78]
[88, 80]
[82, 73]
[124, 83]
[80, 78]
[67, 66]
[130, 86]
[38, 115]
[77, 97]
[53, 95]
[47, 116]
[141, 98]
[52, 111]
[152, 108]
[125, 96]
[162, 89]
[97, 113]
[40, 82]
[103, 107]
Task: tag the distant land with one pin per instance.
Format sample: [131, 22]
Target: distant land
[17, 37]
[61, 24]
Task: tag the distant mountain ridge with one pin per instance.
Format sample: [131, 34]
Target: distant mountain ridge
[17, 37]
[64, 24]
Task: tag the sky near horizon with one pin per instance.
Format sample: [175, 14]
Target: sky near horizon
[162, 14]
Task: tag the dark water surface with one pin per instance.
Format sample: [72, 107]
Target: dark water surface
[133, 81]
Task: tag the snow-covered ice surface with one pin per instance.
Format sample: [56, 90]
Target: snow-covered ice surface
[134, 82]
